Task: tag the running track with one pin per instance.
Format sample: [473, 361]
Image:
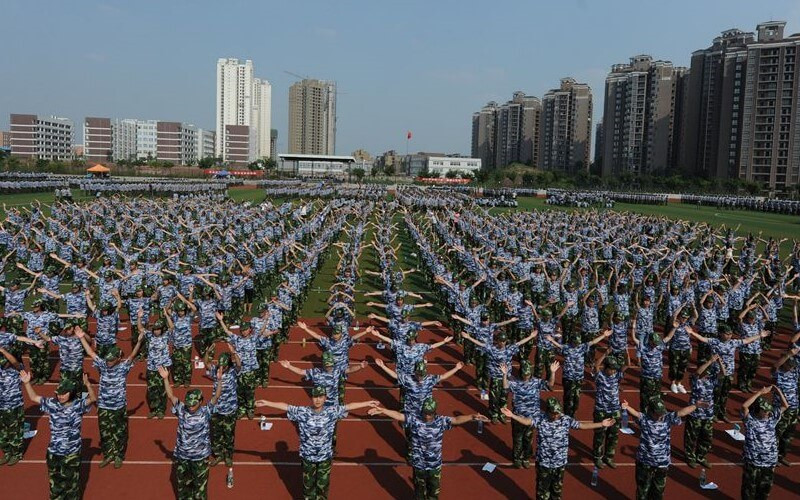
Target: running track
[369, 463]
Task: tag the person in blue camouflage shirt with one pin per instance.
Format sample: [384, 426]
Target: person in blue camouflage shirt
[66, 411]
[70, 351]
[112, 402]
[193, 443]
[653, 454]
[107, 316]
[787, 377]
[316, 425]
[699, 430]
[14, 300]
[179, 321]
[609, 371]
[526, 402]
[760, 442]
[572, 377]
[426, 430]
[552, 443]
[224, 415]
[651, 360]
[157, 341]
[12, 409]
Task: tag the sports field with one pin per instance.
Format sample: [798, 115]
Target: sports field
[369, 461]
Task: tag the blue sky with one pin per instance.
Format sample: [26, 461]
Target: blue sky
[423, 66]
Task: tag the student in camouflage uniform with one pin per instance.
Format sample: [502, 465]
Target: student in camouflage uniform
[574, 353]
[552, 444]
[157, 357]
[760, 443]
[653, 455]
[112, 403]
[607, 405]
[66, 412]
[526, 403]
[244, 345]
[12, 409]
[699, 429]
[223, 420]
[179, 322]
[651, 359]
[316, 425]
[426, 429]
[787, 378]
[193, 445]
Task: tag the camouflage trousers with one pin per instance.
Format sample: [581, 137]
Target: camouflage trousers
[65, 476]
[223, 433]
[41, 368]
[650, 391]
[316, 479]
[549, 482]
[544, 358]
[265, 357]
[427, 483]
[342, 381]
[721, 392]
[113, 426]
[784, 432]
[182, 365]
[481, 375]
[156, 395]
[678, 361]
[191, 477]
[572, 395]
[498, 397]
[748, 364]
[11, 426]
[697, 437]
[246, 392]
[650, 481]
[591, 353]
[604, 444]
[205, 339]
[756, 482]
[522, 438]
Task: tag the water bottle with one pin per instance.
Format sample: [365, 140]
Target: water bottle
[229, 478]
[357, 327]
[624, 419]
[480, 426]
[303, 342]
[595, 473]
[702, 477]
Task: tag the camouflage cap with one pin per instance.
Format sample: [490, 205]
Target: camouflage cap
[224, 360]
[420, 367]
[525, 368]
[66, 386]
[764, 405]
[113, 353]
[553, 405]
[657, 408]
[193, 397]
[429, 406]
[327, 359]
[612, 363]
[318, 391]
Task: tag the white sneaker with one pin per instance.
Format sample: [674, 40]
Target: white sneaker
[681, 389]
[673, 388]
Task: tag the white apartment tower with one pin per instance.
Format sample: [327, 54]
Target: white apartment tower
[243, 101]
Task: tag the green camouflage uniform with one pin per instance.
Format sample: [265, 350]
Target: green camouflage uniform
[784, 432]
[41, 368]
[522, 437]
[572, 394]
[757, 482]
[604, 445]
[498, 396]
[265, 357]
[246, 392]
[156, 395]
[316, 479]
[113, 426]
[223, 432]
[721, 391]
[650, 481]
[191, 477]
[650, 390]
[697, 438]
[11, 426]
[182, 365]
[427, 483]
[64, 473]
[549, 482]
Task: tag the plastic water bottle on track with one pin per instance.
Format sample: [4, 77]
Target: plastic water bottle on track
[703, 479]
[480, 426]
[624, 419]
[595, 474]
[229, 478]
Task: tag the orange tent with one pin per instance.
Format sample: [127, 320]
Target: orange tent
[98, 169]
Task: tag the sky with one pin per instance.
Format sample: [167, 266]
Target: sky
[420, 66]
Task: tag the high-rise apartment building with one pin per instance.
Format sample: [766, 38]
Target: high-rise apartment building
[517, 131]
[242, 100]
[205, 144]
[97, 144]
[312, 117]
[640, 116]
[566, 127]
[146, 139]
[123, 139]
[5, 139]
[483, 134]
[770, 143]
[714, 106]
[41, 137]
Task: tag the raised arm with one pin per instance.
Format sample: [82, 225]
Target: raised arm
[25, 377]
[286, 364]
[272, 404]
[442, 342]
[309, 331]
[386, 369]
[362, 404]
[167, 387]
[395, 415]
[86, 347]
[631, 410]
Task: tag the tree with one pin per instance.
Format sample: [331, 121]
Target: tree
[359, 173]
[424, 172]
[388, 169]
[451, 174]
[375, 170]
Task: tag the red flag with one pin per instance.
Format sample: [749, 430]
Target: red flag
[408, 136]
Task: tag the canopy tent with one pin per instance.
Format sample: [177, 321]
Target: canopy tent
[98, 169]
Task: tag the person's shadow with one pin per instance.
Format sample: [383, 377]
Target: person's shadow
[387, 476]
[497, 479]
[86, 467]
[291, 475]
[173, 473]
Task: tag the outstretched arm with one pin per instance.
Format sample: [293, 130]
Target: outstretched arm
[272, 404]
[167, 387]
[463, 419]
[385, 368]
[631, 410]
[513, 416]
[396, 415]
[309, 331]
[446, 375]
[286, 364]
[362, 404]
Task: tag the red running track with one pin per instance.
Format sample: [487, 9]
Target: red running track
[369, 461]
